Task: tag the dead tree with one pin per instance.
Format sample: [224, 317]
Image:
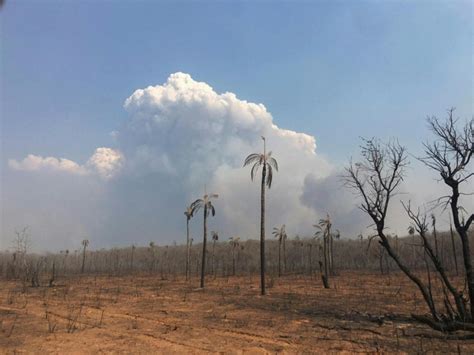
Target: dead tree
[376, 180]
[453, 246]
[450, 155]
[85, 243]
[454, 315]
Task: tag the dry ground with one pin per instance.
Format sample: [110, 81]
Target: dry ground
[144, 314]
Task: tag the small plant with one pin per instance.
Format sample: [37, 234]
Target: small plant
[52, 322]
[73, 316]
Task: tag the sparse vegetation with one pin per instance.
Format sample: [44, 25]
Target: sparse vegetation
[420, 290]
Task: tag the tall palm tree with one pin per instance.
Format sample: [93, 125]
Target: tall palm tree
[206, 204]
[268, 163]
[84, 243]
[215, 238]
[280, 234]
[189, 214]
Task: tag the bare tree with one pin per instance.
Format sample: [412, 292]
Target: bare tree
[268, 163]
[132, 256]
[450, 155]
[151, 250]
[435, 236]
[453, 314]
[376, 180]
[84, 243]
[208, 208]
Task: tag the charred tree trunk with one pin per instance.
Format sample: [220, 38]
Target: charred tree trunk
[453, 244]
[262, 231]
[188, 249]
[279, 257]
[204, 242]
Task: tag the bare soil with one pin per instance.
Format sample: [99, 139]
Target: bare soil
[144, 314]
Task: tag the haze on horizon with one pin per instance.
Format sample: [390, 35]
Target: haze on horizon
[114, 118]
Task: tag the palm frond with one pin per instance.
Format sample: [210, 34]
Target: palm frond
[252, 158]
[273, 162]
[254, 170]
[269, 176]
[196, 205]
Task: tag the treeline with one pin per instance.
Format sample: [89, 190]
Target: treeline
[303, 256]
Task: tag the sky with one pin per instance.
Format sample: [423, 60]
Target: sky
[114, 115]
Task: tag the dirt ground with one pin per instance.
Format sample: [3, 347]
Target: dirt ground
[144, 314]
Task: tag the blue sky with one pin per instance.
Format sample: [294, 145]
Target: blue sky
[317, 66]
[335, 70]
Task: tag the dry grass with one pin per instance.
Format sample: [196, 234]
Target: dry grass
[361, 313]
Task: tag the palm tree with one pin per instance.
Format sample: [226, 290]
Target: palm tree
[267, 162]
[280, 234]
[206, 204]
[234, 242]
[336, 236]
[324, 229]
[84, 243]
[215, 238]
[189, 214]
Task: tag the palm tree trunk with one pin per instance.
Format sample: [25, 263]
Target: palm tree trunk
[187, 249]
[331, 259]
[213, 258]
[326, 273]
[83, 259]
[279, 257]
[284, 255]
[203, 263]
[262, 231]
